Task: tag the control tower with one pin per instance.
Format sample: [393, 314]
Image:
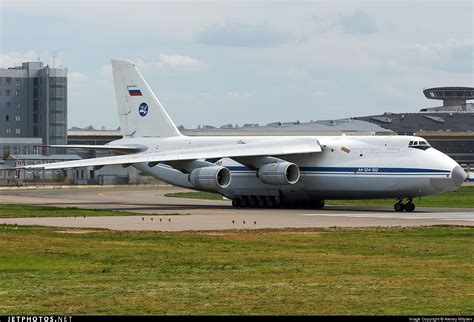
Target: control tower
[454, 98]
[450, 95]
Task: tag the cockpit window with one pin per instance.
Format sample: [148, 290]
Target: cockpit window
[422, 145]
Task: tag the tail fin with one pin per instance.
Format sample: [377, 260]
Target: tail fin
[140, 112]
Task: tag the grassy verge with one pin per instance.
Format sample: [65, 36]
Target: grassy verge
[17, 211]
[462, 198]
[407, 271]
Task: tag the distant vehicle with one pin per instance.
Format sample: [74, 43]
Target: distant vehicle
[272, 171]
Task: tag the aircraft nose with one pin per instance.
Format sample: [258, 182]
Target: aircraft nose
[458, 176]
[450, 183]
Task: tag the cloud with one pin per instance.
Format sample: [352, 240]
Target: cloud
[357, 23]
[238, 95]
[15, 59]
[77, 83]
[453, 55]
[180, 62]
[166, 62]
[106, 72]
[242, 35]
[77, 77]
[173, 62]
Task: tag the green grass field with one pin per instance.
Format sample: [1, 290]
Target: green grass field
[462, 198]
[18, 211]
[399, 271]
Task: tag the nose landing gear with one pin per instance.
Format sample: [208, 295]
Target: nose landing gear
[409, 206]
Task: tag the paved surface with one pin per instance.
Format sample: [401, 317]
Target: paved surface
[178, 214]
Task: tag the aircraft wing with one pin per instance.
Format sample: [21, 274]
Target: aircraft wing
[118, 148]
[276, 147]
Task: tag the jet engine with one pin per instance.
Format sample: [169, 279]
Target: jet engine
[279, 173]
[210, 178]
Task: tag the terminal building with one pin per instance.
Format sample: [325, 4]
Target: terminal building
[33, 108]
[33, 112]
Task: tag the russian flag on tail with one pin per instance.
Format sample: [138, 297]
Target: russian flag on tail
[134, 91]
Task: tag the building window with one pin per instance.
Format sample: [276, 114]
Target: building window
[8, 92]
[16, 149]
[7, 118]
[8, 81]
[17, 131]
[8, 104]
[17, 92]
[18, 81]
[17, 118]
[35, 81]
[18, 105]
[8, 131]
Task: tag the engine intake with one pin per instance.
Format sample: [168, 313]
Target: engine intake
[279, 173]
[210, 178]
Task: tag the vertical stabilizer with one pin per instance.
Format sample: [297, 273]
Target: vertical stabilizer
[140, 112]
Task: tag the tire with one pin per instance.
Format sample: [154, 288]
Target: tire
[399, 207]
[236, 202]
[252, 201]
[409, 207]
[319, 204]
[261, 202]
[244, 201]
[270, 202]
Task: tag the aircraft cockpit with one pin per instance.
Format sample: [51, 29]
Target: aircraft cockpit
[422, 145]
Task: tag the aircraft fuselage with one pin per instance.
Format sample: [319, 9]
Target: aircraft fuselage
[349, 167]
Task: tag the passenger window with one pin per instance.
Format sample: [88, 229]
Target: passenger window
[411, 143]
[415, 143]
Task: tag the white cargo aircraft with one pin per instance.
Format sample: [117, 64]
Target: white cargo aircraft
[271, 171]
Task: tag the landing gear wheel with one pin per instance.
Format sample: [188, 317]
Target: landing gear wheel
[261, 202]
[244, 201]
[277, 202]
[270, 202]
[252, 201]
[409, 207]
[399, 207]
[318, 204]
[236, 202]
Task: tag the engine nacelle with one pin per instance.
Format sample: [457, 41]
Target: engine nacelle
[210, 178]
[279, 173]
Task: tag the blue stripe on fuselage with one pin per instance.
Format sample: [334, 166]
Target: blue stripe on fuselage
[367, 170]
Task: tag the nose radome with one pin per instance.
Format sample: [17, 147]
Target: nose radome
[458, 176]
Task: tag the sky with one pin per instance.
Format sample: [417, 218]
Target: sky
[219, 62]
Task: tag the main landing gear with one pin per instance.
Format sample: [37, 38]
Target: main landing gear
[256, 202]
[409, 206]
[273, 202]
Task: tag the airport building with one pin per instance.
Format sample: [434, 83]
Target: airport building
[33, 112]
[33, 107]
